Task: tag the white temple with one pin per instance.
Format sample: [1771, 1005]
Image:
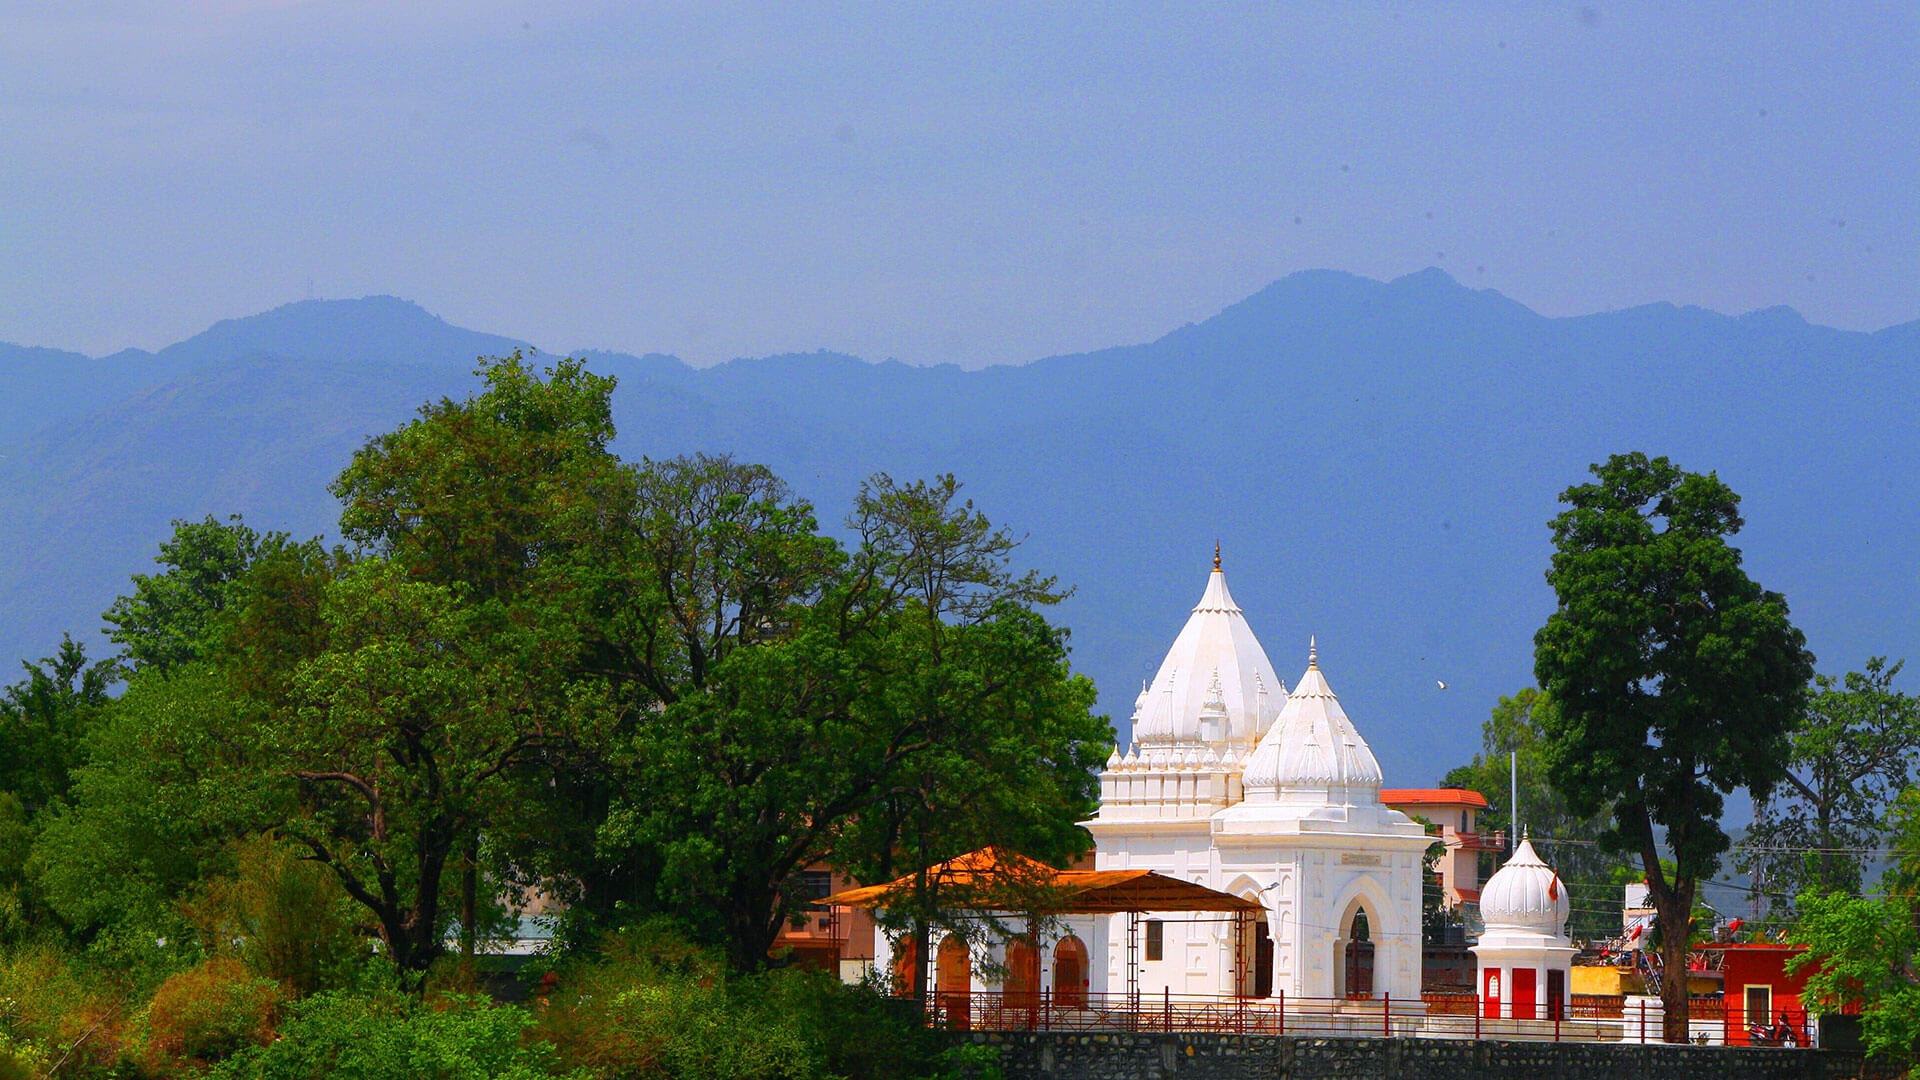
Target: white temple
[1239, 785]
[1525, 957]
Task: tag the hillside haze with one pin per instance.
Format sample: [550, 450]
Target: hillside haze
[1377, 460]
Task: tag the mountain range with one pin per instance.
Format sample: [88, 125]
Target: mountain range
[1377, 460]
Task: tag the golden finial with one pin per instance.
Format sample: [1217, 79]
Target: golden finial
[1216, 554]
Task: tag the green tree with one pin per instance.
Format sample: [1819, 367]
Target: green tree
[166, 784]
[1853, 754]
[44, 721]
[812, 704]
[1678, 678]
[1861, 955]
[170, 619]
[507, 496]
[399, 739]
[1518, 725]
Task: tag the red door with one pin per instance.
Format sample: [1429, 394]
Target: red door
[1523, 993]
[1490, 994]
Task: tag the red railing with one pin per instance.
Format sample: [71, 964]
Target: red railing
[1587, 1018]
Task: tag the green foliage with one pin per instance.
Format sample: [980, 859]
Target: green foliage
[173, 618]
[1519, 725]
[1861, 953]
[1853, 754]
[1678, 678]
[654, 1008]
[163, 791]
[816, 707]
[391, 1036]
[642, 689]
[44, 721]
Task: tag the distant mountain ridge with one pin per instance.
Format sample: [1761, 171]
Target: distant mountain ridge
[1378, 459]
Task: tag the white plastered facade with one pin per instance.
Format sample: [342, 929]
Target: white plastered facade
[1239, 785]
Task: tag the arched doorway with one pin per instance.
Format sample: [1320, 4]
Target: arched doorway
[1070, 973]
[906, 956]
[1254, 962]
[953, 980]
[1023, 974]
[1359, 958]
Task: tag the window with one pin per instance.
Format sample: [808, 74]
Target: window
[1759, 1004]
[816, 884]
[1156, 939]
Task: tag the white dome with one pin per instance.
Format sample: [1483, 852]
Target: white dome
[1313, 746]
[1216, 661]
[1525, 895]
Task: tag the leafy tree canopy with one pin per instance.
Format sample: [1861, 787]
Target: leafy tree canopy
[1852, 756]
[1678, 678]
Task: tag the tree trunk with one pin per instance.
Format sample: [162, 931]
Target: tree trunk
[921, 939]
[469, 902]
[1673, 974]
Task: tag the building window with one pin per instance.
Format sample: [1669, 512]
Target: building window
[816, 884]
[1156, 939]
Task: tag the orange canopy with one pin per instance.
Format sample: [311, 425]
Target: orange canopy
[991, 879]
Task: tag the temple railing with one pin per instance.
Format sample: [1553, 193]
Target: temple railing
[1587, 1018]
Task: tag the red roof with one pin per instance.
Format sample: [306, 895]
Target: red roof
[1446, 796]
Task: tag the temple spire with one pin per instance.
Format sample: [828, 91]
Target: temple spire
[1216, 556]
[1313, 652]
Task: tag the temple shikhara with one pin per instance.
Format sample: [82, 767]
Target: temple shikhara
[1239, 784]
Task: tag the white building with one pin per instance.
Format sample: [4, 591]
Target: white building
[1239, 785]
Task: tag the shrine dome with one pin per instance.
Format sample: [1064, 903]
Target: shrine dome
[1525, 895]
[1313, 749]
[1216, 685]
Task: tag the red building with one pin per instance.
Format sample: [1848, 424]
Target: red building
[1759, 990]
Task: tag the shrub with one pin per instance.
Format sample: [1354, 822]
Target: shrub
[654, 1008]
[208, 1013]
[50, 1006]
[390, 1036]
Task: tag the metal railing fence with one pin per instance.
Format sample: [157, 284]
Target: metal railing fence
[1587, 1018]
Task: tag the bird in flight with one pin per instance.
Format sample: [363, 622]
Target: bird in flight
[1442, 682]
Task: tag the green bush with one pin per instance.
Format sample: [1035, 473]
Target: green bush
[391, 1036]
[654, 1008]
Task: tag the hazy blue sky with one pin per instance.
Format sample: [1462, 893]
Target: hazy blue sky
[965, 183]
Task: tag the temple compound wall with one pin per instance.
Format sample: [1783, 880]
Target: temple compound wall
[1061, 1056]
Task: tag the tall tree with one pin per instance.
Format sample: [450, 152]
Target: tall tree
[400, 738]
[814, 701]
[1853, 754]
[1678, 678]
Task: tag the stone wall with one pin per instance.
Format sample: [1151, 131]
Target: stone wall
[1197, 1056]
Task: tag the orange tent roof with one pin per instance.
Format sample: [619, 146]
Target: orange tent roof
[1446, 796]
[1004, 880]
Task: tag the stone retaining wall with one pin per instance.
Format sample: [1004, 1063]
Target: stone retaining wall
[1197, 1056]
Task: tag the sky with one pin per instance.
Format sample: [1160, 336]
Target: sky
[957, 183]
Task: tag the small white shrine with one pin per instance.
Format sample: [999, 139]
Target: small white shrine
[1524, 955]
[1239, 785]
